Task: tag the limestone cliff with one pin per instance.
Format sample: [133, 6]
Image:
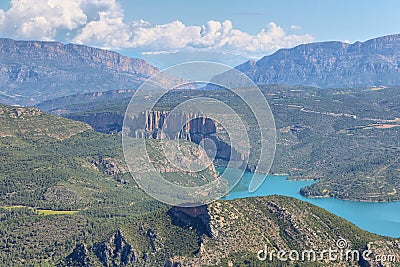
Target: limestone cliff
[189, 126]
[155, 125]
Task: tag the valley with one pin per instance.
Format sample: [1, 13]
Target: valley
[346, 139]
[64, 174]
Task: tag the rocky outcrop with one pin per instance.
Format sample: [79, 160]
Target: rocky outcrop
[153, 239]
[79, 257]
[109, 166]
[196, 217]
[115, 252]
[329, 64]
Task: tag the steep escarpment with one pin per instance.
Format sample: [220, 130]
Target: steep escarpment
[189, 126]
[34, 71]
[163, 125]
[375, 62]
[197, 218]
[70, 53]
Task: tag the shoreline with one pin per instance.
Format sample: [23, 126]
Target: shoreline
[316, 180]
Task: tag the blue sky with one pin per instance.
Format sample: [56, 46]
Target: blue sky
[325, 20]
[173, 31]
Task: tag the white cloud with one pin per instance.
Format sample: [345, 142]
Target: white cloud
[2, 16]
[40, 19]
[101, 23]
[295, 27]
[106, 32]
[170, 36]
[156, 53]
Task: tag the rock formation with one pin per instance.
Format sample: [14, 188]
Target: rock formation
[115, 252]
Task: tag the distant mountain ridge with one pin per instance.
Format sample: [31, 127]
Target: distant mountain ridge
[34, 71]
[375, 62]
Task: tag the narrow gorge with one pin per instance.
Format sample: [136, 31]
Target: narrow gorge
[163, 125]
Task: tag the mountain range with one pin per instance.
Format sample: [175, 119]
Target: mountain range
[34, 71]
[375, 62]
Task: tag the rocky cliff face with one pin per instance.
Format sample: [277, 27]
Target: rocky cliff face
[196, 217]
[34, 71]
[43, 52]
[189, 126]
[329, 64]
[155, 125]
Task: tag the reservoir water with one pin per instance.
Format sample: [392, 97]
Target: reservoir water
[377, 217]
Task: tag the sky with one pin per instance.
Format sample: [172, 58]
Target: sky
[167, 32]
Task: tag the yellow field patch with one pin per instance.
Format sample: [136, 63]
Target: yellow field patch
[56, 212]
[42, 211]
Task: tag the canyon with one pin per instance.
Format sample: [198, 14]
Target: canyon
[188, 126]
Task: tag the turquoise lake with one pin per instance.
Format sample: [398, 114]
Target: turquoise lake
[381, 218]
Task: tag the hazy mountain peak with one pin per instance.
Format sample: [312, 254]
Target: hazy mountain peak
[330, 64]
